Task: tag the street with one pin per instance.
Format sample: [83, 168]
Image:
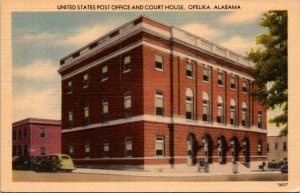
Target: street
[30, 176]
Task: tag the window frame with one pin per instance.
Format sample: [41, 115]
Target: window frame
[86, 119]
[127, 111]
[70, 122]
[191, 74]
[159, 96]
[105, 115]
[220, 82]
[233, 82]
[70, 87]
[71, 153]
[206, 69]
[259, 120]
[245, 113]
[45, 152]
[156, 62]
[125, 64]
[43, 134]
[206, 103]
[220, 109]
[85, 80]
[106, 148]
[233, 111]
[160, 141]
[104, 75]
[128, 140]
[245, 86]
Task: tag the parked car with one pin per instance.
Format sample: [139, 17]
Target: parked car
[17, 163]
[284, 168]
[54, 163]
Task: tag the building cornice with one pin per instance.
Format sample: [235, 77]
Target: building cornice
[37, 121]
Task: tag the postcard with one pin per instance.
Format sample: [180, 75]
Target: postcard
[149, 96]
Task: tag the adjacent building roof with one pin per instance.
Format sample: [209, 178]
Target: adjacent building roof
[37, 121]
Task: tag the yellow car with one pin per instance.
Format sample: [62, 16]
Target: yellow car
[58, 162]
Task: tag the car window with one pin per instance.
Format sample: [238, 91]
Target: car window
[65, 157]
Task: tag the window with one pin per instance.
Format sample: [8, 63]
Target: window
[189, 104]
[159, 62]
[159, 103]
[220, 78]
[245, 86]
[128, 147]
[20, 134]
[259, 119]
[127, 104]
[205, 106]
[25, 133]
[206, 74]
[284, 146]
[86, 120]
[268, 147]
[85, 80]
[14, 150]
[14, 135]
[276, 146]
[104, 74]
[233, 82]
[232, 112]
[244, 114]
[106, 148]
[189, 70]
[87, 149]
[160, 146]
[220, 115]
[259, 148]
[70, 87]
[127, 65]
[105, 115]
[43, 151]
[71, 151]
[70, 119]
[43, 132]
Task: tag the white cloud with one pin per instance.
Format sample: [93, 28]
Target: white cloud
[39, 104]
[39, 37]
[241, 17]
[202, 30]
[86, 34]
[39, 69]
[239, 44]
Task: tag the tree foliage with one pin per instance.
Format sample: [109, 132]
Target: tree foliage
[270, 71]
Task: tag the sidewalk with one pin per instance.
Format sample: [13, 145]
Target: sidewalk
[165, 173]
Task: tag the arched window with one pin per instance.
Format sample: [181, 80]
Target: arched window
[189, 103]
[232, 112]
[220, 116]
[244, 114]
[205, 107]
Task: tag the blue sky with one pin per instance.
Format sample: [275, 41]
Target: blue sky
[40, 39]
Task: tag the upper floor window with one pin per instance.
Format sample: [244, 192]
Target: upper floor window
[189, 70]
[70, 119]
[244, 114]
[220, 78]
[276, 146]
[85, 80]
[104, 74]
[128, 147]
[43, 132]
[205, 107]
[160, 146]
[259, 119]
[70, 87]
[189, 103]
[233, 82]
[245, 85]
[105, 115]
[232, 112]
[159, 62]
[127, 104]
[86, 120]
[220, 115]
[25, 133]
[14, 135]
[206, 76]
[268, 147]
[20, 134]
[159, 103]
[127, 64]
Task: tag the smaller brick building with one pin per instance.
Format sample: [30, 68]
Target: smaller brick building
[32, 137]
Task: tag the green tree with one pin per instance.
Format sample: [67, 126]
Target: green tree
[270, 70]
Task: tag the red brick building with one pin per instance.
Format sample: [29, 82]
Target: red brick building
[32, 137]
[152, 95]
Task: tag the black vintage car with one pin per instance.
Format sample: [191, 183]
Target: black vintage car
[47, 163]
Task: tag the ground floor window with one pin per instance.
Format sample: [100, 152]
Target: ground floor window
[128, 147]
[43, 151]
[106, 148]
[71, 151]
[87, 150]
[160, 146]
